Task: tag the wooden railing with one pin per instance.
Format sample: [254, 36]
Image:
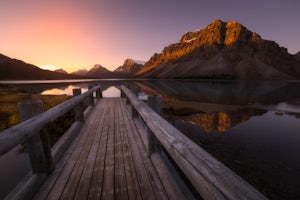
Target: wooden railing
[33, 132]
[209, 177]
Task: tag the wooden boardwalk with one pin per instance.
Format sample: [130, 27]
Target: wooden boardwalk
[112, 152]
[107, 160]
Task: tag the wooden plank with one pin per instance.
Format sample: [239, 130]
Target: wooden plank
[142, 131]
[85, 180]
[142, 172]
[108, 181]
[211, 178]
[134, 191]
[71, 186]
[51, 180]
[120, 177]
[97, 178]
[137, 143]
[65, 145]
[166, 177]
[64, 176]
[173, 190]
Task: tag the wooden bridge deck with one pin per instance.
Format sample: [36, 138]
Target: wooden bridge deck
[106, 160]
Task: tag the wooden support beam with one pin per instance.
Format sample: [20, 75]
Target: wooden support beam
[78, 109]
[154, 102]
[91, 97]
[134, 113]
[98, 94]
[38, 145]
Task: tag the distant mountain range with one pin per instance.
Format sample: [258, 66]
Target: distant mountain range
[222, 50]
[13, 69]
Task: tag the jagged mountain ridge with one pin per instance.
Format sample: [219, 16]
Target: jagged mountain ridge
[222, 50]
[129, 67]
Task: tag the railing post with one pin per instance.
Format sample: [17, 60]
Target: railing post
[38, 146]
[91, 97]
[134, 112]
[123, 95]
[78, 109]
[98, 94]
[155, 102]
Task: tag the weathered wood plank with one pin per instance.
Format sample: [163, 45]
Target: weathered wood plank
[51, 180]
[64, 176]
[141, 129]
[60, 147]
[107, 160]
[108, 181]
[72, 184]
[97, 178]
[141, 170]
[134, 191]
[85, 180]
[157, 184]
[120, 177]
[211, 178]
[167, 179]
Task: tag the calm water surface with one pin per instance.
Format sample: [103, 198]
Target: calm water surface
[252, 127]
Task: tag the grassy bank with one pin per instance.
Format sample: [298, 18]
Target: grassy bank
[9, 113]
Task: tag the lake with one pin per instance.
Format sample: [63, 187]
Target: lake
[252, 127]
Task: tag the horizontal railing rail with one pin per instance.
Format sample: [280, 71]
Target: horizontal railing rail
[209, 177]
[19, 133]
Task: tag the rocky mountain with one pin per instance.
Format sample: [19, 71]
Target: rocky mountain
[80, 72]
[99, 72]
[13, 69]
[222, 50]
[129, 67]
[61, 71]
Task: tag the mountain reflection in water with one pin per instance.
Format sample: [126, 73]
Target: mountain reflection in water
[223, 120]
[251, 127]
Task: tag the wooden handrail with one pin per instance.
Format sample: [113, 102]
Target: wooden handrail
[18, 134]
[210, 178]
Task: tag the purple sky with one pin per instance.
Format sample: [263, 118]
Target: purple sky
[79, 34]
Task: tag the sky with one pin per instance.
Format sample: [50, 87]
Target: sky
[78, 34]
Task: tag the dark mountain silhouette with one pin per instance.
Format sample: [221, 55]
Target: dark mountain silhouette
[297, 56]
[13, 69]
[81, 72]
[61, 71]
[99, 72]
[222, 50]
